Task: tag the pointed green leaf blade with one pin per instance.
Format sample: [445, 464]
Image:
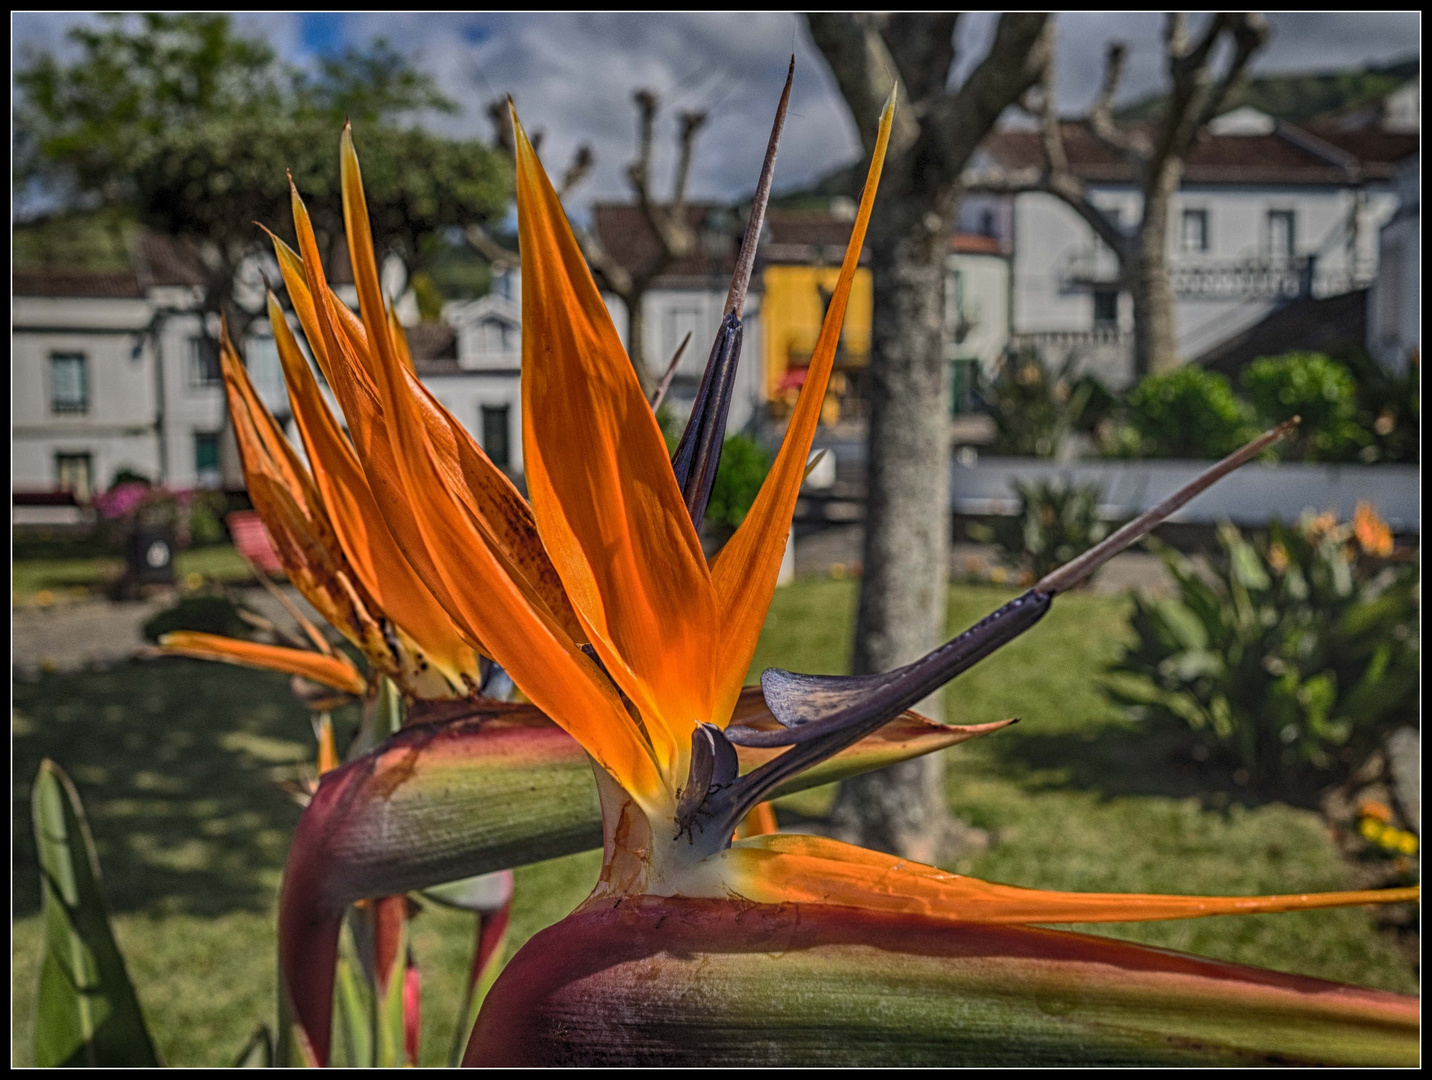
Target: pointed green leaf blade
[258, 1051]
[87, 1012]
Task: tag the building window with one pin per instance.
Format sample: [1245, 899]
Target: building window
[75, 473]
[266, 371]
[1194, 237]
[495, 437]
[1282, 238]
[987, 223]
[206, 458]
[498, 336]
[69, 383]
[204, 367]
[1106, 309]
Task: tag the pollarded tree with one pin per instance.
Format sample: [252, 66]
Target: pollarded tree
[1154, 153]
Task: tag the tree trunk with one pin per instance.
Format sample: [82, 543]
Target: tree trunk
[1155, 340]
[636, 340]
[907, 534]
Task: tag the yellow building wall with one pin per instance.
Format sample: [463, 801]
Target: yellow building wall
[791, 313]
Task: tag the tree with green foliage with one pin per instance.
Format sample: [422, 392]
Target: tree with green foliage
[193, 128]
[1316, 388]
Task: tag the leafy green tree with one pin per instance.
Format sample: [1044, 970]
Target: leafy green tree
[194, 128]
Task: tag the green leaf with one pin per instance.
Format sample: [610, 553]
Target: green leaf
[353, 998]
[87, 1012]
[389, 1027]
[258, 1051]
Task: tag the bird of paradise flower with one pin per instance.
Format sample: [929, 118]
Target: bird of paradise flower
[598, 601]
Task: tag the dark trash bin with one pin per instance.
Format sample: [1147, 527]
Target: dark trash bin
[150, 555]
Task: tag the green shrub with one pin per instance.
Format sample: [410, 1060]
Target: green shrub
[1293, 658]
[209, 614]
[739, 476]
[1036, 409]
[1055, 523]
[1389, 407]
[1188, 413]
[1321, 391]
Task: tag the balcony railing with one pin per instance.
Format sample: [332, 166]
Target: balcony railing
[1231, 279]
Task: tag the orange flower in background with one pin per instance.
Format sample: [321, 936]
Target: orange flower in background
[1373, 534]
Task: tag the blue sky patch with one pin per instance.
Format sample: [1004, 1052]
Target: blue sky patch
[323, 31]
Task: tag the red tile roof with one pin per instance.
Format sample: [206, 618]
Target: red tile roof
[799, 237]
[123, 285]
[1288, 156]
[629, 239]
[157, 261]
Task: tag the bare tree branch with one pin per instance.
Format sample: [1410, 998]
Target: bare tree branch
[1016, 58]
[1121, 144]
[1049, 121]
[501, 117]
[866, 74]
[639, 171]
[489, 248]
[577, 171]
[1250, 33]
[923, 48]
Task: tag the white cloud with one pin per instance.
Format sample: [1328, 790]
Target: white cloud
[572, 76]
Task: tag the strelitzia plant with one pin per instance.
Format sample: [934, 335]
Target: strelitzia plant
[696, 945]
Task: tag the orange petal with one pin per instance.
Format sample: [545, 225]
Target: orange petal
[744, 573]
[327, 749]
[261, 444]
[329, 670]
[358, 523]
[288, 501]
[498, 510]
[778, 868]
[760, 821]
[433, 525]
[606, 501]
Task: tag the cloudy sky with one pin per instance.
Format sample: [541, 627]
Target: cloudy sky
[572, 75]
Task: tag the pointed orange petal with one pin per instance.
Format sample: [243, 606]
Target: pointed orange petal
[359, 526]
[434, 527]
[329, 670]
[601, 484]
[288, 501]
[262, 446]
[498, 510]
[327, 749]
[744, 573]
[778, 869]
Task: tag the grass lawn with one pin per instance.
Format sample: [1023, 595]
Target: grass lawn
[178, 763]
[30, 576]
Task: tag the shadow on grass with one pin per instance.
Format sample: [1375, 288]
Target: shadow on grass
[177, 762]
[1133, 759]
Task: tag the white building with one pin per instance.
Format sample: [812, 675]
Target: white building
[1394, 328]
[1266, 212]
[111, 372]
[689, 297]
[472, 363]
